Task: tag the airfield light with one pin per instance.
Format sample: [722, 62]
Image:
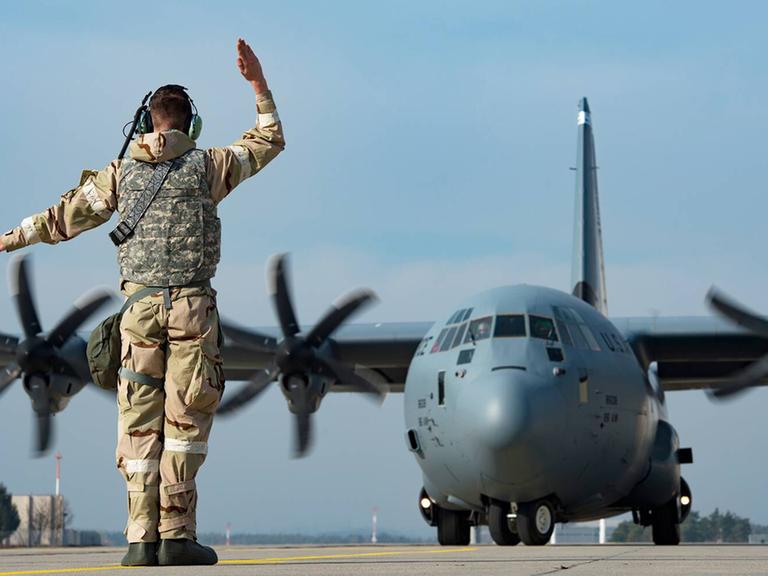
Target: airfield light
[685, 500]
[426, 503]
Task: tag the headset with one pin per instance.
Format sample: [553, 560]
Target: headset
[194, 128]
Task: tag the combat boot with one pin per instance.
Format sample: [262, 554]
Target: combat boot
[185, 552]
[140, 554]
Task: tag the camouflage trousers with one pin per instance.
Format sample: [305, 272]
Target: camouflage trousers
[171, 382]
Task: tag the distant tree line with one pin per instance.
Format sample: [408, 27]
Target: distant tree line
[717, 527]
[9, 516]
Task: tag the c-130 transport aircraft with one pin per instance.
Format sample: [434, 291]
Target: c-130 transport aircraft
[527, 407]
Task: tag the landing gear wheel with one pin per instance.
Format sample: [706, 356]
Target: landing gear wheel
[452, 527]
[665, 525]
[500, 525]
[535, 522]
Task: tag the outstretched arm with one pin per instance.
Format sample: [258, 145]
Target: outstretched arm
[230, 166]
[87, 206]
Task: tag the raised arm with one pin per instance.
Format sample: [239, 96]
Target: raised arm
[87, 206]
[228, 167]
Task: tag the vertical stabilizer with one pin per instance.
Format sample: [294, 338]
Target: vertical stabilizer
[588, 268]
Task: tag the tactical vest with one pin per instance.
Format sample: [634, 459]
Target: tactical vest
[178, 240]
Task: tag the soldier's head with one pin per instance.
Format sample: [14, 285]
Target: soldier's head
[171, 108]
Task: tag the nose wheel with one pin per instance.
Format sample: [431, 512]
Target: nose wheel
[503, 528]
[535, 522]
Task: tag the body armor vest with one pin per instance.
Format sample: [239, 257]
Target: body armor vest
[178, 240]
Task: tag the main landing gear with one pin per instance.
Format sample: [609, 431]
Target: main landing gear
[453, 526]
[665, 520]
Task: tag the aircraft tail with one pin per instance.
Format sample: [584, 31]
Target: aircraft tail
[588, 274]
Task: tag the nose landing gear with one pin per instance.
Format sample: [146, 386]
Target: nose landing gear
[502, 523]
[535, 522]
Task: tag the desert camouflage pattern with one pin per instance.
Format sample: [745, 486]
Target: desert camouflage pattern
[178, 240]
[163, 431]
[94, 200]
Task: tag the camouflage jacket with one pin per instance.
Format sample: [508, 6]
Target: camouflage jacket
[94, 201]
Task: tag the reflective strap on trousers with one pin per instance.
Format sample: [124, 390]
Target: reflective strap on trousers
[174, 445]
[142, 466]
[140, 378]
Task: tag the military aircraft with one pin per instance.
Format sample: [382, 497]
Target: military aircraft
[528, 406]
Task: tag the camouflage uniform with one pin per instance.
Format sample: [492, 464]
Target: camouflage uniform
[171, 378]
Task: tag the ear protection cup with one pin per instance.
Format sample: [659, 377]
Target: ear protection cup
[145, 122]
[195, 126]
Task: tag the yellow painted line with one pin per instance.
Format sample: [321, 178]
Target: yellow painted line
[66, 570]
[282, 559]
[275, 560]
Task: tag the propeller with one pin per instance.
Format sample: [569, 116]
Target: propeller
[50, 366]
[756, 373]
[303, 363]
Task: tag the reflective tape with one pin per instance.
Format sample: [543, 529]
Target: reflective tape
[268, 118]
[30, 233]
[583, 118]
[142, 466]
[244, 159]
[91, 194]
[174, 445]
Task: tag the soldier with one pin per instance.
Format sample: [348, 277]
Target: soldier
[171, 380]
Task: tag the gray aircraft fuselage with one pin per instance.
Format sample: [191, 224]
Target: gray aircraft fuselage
[546, 401]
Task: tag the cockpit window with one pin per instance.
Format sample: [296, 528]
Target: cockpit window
[507, 326]
[436, 345]
[543, 328]
[456, 317]
[572, 323]
[467, 313]
[459, 335]
[448, 340]
[479, 329]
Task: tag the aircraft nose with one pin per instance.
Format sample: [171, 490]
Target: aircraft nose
[496, 410]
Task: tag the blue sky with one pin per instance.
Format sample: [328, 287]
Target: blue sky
[428, 153]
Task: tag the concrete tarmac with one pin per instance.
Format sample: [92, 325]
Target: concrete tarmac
[411, 560]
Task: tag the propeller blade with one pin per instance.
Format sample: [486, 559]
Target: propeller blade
[302, 439]
[8, 375]
[249, 392]
[280, 291]
[752, 375]
[37, 388]
[8, 344]
[21, 291]
[81, 311]
[250, 339]
[43, 437]
[348, 377]
[737, 313]
[339, 312]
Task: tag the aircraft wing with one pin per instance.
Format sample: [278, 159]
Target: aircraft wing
[379, 352]
[692, 352]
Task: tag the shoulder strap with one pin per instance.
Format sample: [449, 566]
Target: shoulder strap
[128, 224]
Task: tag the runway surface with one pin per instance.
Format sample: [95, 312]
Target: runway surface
[411, 560]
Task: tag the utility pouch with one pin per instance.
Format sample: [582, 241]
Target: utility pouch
[103, 349]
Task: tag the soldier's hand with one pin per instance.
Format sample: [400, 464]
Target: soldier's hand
[250, 67]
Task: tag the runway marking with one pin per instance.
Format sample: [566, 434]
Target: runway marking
[283, 559]
[66, 570]
[274, 560]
